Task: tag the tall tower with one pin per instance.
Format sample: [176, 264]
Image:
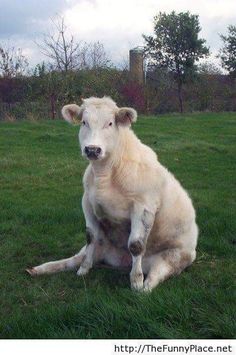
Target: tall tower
[136, 64]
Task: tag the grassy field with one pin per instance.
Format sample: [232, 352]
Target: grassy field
[41, 220]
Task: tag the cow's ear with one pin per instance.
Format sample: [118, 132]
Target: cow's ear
[72, 113]
[125, 116]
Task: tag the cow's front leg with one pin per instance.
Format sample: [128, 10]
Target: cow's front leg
[142, 219]
[87, 263]
[92, 232]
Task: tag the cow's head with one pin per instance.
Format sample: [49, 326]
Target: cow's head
[101, 121]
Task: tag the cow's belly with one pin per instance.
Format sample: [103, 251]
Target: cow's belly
[112, 212]
[116, 233]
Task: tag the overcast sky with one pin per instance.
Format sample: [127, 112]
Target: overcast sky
[118, 24]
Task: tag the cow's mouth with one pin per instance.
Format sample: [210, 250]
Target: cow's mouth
[92, 156]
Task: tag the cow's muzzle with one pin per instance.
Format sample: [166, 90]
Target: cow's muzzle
[92, 152]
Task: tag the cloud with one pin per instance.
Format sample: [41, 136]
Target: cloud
[120, 24]
[117, 24]
[27, 18]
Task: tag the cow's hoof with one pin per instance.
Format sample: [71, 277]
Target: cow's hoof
[137, 285]
[136, 281]
[31, 271]
[147, 288]
[82, 271]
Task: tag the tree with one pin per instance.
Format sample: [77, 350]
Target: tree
[60, 47]
[66, 54]
[96, 56]
[50, 86]
[209, 68]
[227, 53]
[176, 46]
[12, 62]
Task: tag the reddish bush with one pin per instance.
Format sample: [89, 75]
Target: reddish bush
[133, 95]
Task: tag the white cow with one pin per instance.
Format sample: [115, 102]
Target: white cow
[137, 214]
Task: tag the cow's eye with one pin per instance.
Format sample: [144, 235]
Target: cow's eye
[110, 124]
[85, 124]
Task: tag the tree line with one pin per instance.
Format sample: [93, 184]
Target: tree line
[73, 70]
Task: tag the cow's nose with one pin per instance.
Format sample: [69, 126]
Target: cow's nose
[92, 151]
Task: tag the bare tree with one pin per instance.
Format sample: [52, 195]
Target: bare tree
[66, 54]
[124, 63]
[12, 62]
[60, 47]
[96, 56]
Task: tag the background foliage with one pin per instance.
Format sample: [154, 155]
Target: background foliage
[75, 70]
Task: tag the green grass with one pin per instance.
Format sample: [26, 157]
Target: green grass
[41, 219]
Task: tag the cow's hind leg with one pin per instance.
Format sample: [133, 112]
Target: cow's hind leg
[165, 264]
[59, 265]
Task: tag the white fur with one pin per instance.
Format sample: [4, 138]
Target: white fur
[132, 204]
